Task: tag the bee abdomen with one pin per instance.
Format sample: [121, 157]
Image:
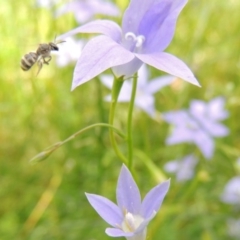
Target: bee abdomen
[28, 60]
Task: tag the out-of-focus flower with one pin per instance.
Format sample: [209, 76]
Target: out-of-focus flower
[84, 10]
[234, 228]
[199, 124]
[147, 29]
[130, 217]
[46, 3]
[69, 52]
[183, 168]
[231, 192]
[145, 89]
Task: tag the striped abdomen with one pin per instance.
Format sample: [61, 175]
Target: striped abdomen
[28, 60]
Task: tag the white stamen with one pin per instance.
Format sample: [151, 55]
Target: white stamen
[131, 221]
[140, 40]
[130, 36]
[137, 40]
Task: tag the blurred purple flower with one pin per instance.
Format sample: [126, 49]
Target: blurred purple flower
[145, 89]
[84, 10]
[183, 168]
[234, 228]
[231, 192]
[198, 125]
[129, 218]
[147, 29]
[69, 52]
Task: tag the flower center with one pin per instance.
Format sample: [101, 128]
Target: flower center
[136, 42]
[131, 222]
[192, 126]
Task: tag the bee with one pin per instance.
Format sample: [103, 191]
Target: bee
[41, 56]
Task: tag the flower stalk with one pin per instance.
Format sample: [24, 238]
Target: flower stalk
[129, 121]
[117, 84]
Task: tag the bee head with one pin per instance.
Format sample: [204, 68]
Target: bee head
[53, 46]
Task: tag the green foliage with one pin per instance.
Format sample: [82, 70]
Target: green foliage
[46, 200]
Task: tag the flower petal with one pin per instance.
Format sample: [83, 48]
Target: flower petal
[172, 166]
[128, 195]
[142, 76]
[85, 10]
[133, 15]
[216, 109]
[205, 115]
[186, 168]
[153, 200]
[146, 102]
[205, 143]
[107, 80]
[231, 193]
[128, 69]
[125, 93]
[158, 83]
[158, 24]
[107, 210]
[106, 27]
[180, 135]
[99, 54]
[115, 232]
[178, 118]
[169, 64]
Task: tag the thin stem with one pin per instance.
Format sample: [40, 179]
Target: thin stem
[43, 155]
[117, 84]
[129, 122]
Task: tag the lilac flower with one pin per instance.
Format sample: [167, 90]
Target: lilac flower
[234, 228]
[198, 125]
[84, 10]
[183, 168]
[145, 89]
[129, 218]
[147, 29]
[231, 193]
[69, 52]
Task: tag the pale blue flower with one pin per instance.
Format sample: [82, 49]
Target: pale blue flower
[183, 168]
[145, 89]
[85, 10]
[130, 217]
[199, 124]
[147, 29]
[231, 192]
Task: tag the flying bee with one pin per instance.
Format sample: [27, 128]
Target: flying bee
[41, 56]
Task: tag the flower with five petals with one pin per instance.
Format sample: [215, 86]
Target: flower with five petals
[129, 218]
[147, 29]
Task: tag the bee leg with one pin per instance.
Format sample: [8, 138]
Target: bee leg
[48, 60]
[40, 64]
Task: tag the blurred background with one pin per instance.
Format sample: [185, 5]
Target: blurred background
[46, 200]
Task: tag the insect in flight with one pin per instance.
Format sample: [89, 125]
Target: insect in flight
[41, 56]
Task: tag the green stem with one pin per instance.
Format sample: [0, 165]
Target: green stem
[43, 155]
[129, 122]
[117, 84]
